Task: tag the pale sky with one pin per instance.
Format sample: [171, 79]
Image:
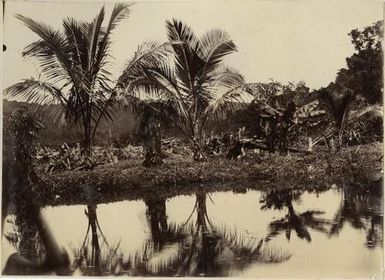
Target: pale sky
[285, 41]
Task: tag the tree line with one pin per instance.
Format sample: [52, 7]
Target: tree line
[185, 82]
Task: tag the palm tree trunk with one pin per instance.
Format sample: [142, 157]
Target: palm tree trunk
[148, 148]
[197, 143]
[87, 140]
[157, 143]
[88, 148]
[152, 142]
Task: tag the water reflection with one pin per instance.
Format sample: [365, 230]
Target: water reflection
[88, 257]
[31, 253]
[210, 250]
[361, 208]
[218, 234]
[299, 222]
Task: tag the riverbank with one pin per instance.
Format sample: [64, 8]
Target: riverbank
[130, 180]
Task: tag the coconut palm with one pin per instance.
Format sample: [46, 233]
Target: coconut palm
[74, 70]
[189, 73]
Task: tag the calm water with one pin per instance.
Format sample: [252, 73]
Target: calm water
[336, 233]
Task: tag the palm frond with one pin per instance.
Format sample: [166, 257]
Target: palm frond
[34, 91]
[93, 34]
[75, 33]
[160, 81]
[51, 51]
[187, 61]
[43, 93]
[147, 55]
[215, 45]
[119, 12]
[234, 86]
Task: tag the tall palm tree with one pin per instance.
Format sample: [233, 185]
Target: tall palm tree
[74, 70]
[188, 73]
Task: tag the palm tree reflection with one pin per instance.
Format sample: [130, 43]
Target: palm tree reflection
[209, 250]
[161, 233]
[361, 207]
[299, 222]
[195, 248]
[88, 257]
[160, 251]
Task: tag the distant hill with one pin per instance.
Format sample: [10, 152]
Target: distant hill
[54, 133]
[122, 130]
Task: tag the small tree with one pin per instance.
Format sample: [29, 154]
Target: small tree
[74, 74]
[187, 72]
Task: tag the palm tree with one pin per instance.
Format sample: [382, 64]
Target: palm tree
[74, 72]
[188, 72]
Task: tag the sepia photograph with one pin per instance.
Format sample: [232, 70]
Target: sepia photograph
[239, 139]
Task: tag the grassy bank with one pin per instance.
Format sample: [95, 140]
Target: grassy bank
[129, 180]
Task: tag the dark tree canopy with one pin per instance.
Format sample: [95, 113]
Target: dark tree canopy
[363, 74]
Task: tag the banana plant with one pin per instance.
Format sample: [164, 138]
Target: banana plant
[280, 112]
